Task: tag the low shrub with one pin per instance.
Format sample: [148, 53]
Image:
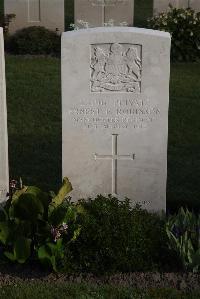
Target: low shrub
[116, 237]
[184, 27]
[34, 40]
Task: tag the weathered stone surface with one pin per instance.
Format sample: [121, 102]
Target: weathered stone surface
[47, 13]
[162, 5]
[4, 180]
[98, 12]
[115, 93]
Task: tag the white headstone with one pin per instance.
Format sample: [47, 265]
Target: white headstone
[4, 179]
[194, 4]
[100, 12]
[115, 93]
[162, 5]
[47, 13]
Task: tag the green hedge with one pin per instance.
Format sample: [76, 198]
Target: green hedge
[34, 40]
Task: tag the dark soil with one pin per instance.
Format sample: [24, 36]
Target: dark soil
[12, 274]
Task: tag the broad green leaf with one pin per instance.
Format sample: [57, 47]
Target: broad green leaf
[4, 232]
[61, 196]
[3, 215]
[18, 193]
[58, 215]
[10, 256]
[40, 195]
[26, 207]
[46, 257]
[22, 249]
[64, 213]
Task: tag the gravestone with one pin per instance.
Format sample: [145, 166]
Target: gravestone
[47, 13]
[115, 93]
[4, 180]
[99, 12]
[162, 5]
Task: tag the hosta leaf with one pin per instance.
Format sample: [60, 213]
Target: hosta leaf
[40, 195]
[46, 257]
[61, 196]
[3, 215]
[4, 232]
[18, 193]
[22, 249]
[26, 207]
[10, 256]
[58, 215]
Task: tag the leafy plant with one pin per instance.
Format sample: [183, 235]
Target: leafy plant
[183, 230]
[184, 27]
[34, 223]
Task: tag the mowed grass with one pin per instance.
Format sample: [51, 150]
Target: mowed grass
[184, 133]
[34, 123]
[34, 120]
[84, 291]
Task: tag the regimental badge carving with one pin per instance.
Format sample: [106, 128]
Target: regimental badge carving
[116, 68]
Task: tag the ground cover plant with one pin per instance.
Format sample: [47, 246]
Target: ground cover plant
[34, 124]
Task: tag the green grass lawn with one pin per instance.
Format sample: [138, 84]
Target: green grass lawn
[184, 133]
[34, 120]
[83, 291]
[34, 123]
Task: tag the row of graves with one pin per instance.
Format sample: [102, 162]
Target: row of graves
[94, 13]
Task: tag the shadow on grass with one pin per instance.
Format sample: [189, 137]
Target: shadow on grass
[36, 159]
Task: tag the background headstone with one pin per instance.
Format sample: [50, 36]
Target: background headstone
[4, 179]
[47, 13]
[162, 5]
[98, 12]
[115, 93]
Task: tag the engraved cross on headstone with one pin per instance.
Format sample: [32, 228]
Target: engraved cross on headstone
[114, 157]
[103, 4]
